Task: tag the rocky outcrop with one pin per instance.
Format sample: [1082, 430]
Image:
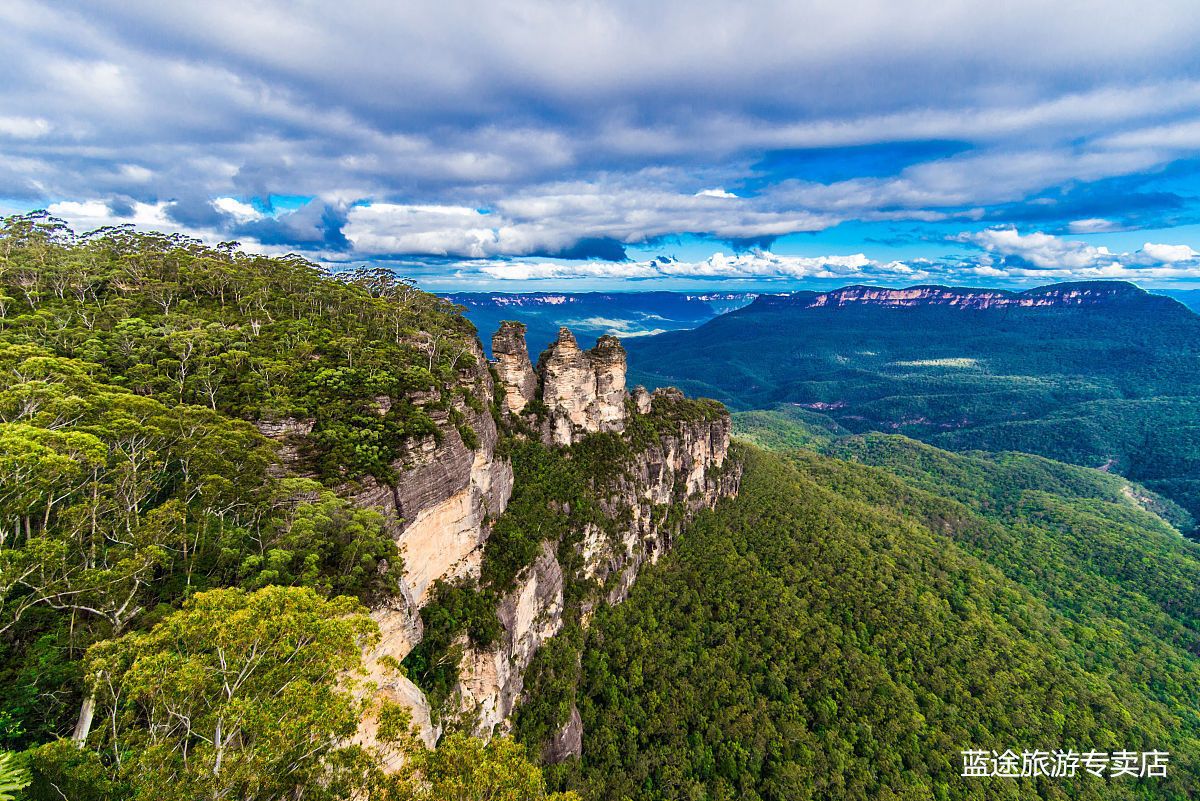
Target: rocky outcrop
[641, 399]
[290, 433]
[584, 391]
[511, 357]
[567, 741]
[491, 680]
[686, 468]
[438, 510]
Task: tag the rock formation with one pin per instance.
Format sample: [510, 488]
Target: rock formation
[1082, 293]
[584, 391]
[511, 357]
[441, 508]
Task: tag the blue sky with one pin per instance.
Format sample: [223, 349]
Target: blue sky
[625, 145]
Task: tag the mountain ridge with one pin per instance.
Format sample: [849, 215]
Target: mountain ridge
[1070, 293]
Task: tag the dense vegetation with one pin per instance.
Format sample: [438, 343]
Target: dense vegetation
[841, 632]
[786, 427]
[187, 611]
[1114, 384]
[557, 494]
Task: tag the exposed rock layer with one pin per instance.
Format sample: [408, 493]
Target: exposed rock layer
[584, 391]
[1078, 294]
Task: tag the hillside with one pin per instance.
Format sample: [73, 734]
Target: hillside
[1098, 374]
[270, 533]
[842, 631]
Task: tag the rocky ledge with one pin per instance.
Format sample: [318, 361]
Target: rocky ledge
[1083, 293]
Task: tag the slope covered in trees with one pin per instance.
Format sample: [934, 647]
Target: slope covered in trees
[843, 631]
[1113, 383]
[191, 614]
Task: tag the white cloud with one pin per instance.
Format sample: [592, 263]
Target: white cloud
[757, 265]
[1053, 256]
[572, 121]
[1040, 250]
[548, 219]
[88, 215]
[1091, 225]
[1168, 254]
[24, 127]
[239, 211]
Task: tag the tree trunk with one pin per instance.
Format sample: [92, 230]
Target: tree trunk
[84, 726]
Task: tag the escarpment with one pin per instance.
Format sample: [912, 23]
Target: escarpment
[1082, 293]
[653, 460]
[643, 465]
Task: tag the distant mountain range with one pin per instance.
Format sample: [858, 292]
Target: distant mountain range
[1188, 297]
[1101, 374]
[592, 314]
[640, 314]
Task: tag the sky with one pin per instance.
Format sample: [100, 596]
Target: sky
[679, 144]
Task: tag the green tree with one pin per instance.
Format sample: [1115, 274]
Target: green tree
[237, 696]
[464, 768]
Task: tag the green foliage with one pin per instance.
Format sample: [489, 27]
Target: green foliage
[318, 539]
[453, 610]
[1115, 384]
[13, 776]
[786, 428]
[249, 336]
[131, 484]
[463, 768]
[551, 682]
[237, 695]
[840, 632]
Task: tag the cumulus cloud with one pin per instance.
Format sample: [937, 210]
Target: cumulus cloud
[758, 265]
[239, 211]
[547, 220]
[1041, 254]
[88, 215]
[465, 130]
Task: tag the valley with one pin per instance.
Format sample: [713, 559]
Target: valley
[1092, 373]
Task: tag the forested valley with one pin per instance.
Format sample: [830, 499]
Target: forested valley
[846, 626]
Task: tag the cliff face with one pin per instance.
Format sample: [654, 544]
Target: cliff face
[1076, 294]
[448, 493]
[684, 470]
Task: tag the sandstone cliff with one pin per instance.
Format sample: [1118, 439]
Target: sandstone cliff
[513, 367]
[1083, 293]
[450, 489]
[584, 391]
[673, 463]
